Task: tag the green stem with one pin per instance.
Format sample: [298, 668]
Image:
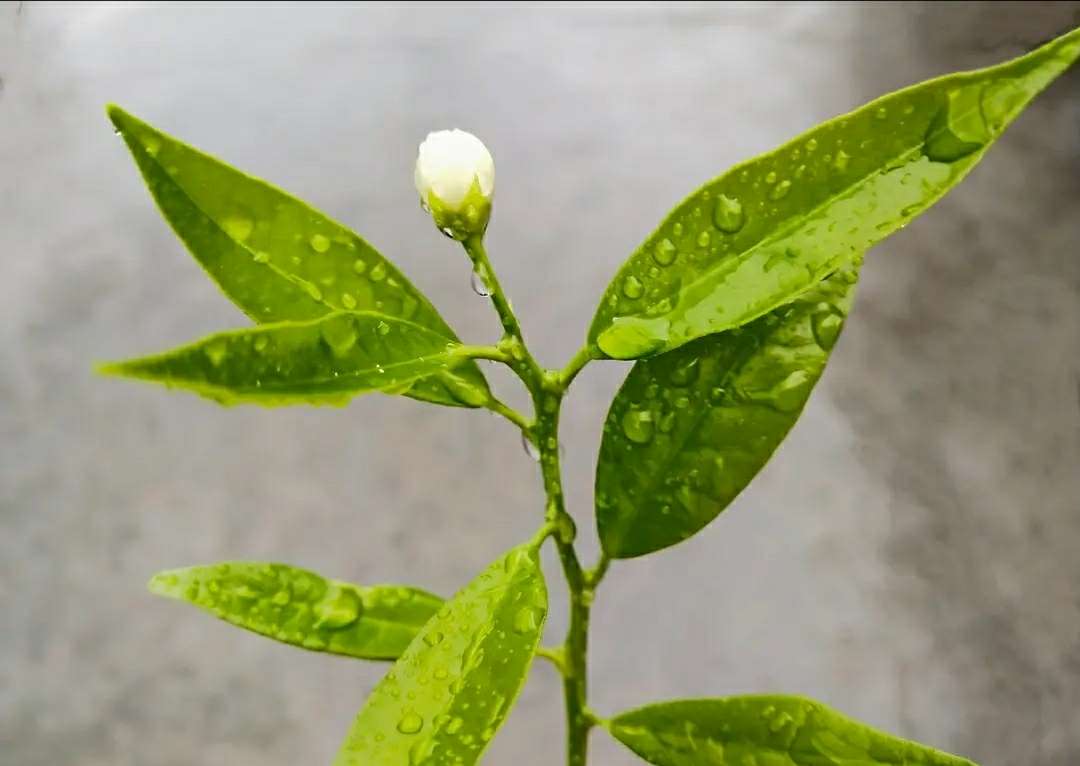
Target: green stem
[547, 389]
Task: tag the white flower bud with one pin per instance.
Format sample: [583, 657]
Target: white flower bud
[455, 177]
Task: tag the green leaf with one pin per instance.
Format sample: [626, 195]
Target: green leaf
[689, 429]
[301, 608]
[452, 688]
[774, 226]
[276, 257]
[764, 730]
[327, 361]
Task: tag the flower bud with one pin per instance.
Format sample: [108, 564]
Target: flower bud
[455, 176]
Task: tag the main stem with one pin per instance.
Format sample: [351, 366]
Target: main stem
[547, 388]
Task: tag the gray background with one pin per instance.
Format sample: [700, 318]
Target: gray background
[911, 555]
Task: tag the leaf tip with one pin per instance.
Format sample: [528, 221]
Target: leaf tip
[165, 583]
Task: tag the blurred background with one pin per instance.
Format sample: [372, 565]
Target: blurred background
[911, 555]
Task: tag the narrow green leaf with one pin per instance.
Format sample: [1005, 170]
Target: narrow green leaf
[774, 226]
[689, 429]
[301, 608]
[276, 257]
[443, 701]
[764, 730]
[327, 361]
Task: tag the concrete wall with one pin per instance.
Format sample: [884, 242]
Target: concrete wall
[911, 555]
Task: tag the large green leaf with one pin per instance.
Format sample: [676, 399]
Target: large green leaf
[276, 257]
[765, 730]
[689, 429]
[444, 699]
[774, 226]
[327, 361]
[299, 607]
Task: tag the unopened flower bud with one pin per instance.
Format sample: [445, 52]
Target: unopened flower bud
[455, 176]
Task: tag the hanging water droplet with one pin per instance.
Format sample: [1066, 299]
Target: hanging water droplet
[632, 287]
[637, 426]
[728, 214]
[781, 189]
[410, 723]
[665, 252]
[319, 243]
[530, 449]
[478, 285]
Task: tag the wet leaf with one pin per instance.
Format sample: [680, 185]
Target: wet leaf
[776, 225]
[447, 695]
[276, 257]
[689, 429]
[301, 608]
[327, 361]
[765, 730]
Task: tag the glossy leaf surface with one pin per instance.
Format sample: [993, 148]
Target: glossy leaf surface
[452, 688]
[774, 226]
[764, 730]
[301, 608]
[276, 257]
[327, 361]
[689, 429]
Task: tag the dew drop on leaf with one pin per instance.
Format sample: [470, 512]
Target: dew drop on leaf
[410, 723]
[665, 252]
[348, 301]
[239, 227]
[319, 243]
[780, 190]
[637, 426]
[728, 214]
[632, 287]
[525, 621]
[378, 273]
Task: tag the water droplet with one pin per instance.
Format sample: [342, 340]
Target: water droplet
[770, 177]
[216, 352]
[348, 301]
[410, 723]
[378, 272]
[526, 621]
[682, 403]
[313, 291]
[261, 342]
[685, 372]
[339, 333]
[959, 128]
[440, 673]
[282, 597]
[434, 638]
[421, 752]
[239, 227]
[667, 423]
[728, 214]
[632, 287]
[382, 328]
[811, 145]
[479, 286]
[359, 266]
[530, 449]
[339, 608]
[665, 252]
[261, 257]
[778, 723]
[800, 171]
[781, 190]
[881, 113]
[677, 230]
[637, 425]
[319, 243]
[454, 726]
[703, 239]
[841, 161]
